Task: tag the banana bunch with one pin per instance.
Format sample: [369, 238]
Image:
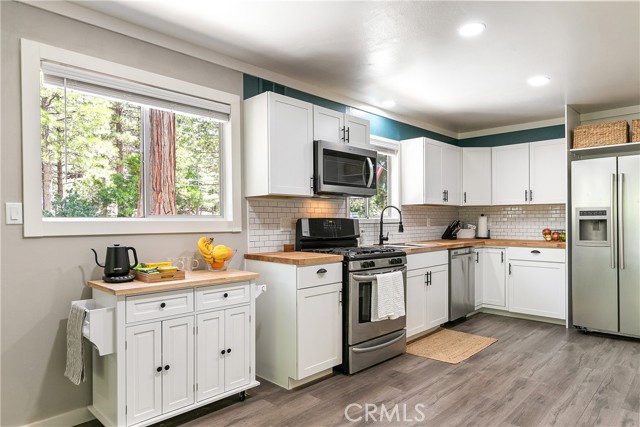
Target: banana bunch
[205, 247]
[214, 255]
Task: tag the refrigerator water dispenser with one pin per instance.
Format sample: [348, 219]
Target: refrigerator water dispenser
[593, 226]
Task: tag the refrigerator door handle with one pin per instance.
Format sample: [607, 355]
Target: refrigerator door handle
[612, 216]
[621, 219]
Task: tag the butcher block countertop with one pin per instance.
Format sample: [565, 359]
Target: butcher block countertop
[192, 279]
[295, 258]
[463, 243]
[310, 258]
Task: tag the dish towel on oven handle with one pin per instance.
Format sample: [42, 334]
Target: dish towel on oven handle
[75, 350]
[387, 296]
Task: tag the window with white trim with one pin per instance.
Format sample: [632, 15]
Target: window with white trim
[387, 178]
[116, 149]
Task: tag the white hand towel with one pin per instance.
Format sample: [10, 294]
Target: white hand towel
[387, 299]
[75, 350]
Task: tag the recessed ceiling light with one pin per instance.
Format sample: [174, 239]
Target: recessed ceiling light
[471, 29]
[539, 80]
[389, 103]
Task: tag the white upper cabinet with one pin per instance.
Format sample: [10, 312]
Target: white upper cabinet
[334, 126]
[510, 174]
[535, 173]
[430, 172]
[278, 146]
[476, 176]
[548, 171]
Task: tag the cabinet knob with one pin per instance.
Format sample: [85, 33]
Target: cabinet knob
[225, 295]
[223, 352]
[321, 271]
[166, 367]
[159, 369]
[228, 350]
[163, 305]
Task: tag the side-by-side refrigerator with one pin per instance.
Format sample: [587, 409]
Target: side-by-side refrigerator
[605, 195]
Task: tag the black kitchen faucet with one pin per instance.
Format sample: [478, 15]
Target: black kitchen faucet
[382, 238]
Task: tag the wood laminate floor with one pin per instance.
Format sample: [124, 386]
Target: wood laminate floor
[537, 374]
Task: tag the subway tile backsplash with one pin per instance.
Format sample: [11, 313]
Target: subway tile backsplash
[271, 222]
[517, 222]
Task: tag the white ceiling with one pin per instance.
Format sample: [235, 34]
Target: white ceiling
[410, 52]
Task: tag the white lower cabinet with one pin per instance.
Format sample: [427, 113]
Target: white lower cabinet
[491, 281]
[175, 351]
[298, 322]
[427, 291]
[537, 282]
[223, 351]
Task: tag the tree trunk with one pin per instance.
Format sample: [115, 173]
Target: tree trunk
[162, 156]
[116, 120]
[60, 177]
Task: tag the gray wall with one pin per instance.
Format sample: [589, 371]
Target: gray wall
[40, 277]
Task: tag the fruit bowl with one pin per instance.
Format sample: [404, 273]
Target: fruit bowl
[221, 265]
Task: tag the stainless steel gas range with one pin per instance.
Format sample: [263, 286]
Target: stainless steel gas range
[365, 342]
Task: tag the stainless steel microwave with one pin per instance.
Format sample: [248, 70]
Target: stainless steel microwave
[343, 170]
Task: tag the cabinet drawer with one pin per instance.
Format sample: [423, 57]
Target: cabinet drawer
[427, 259]
[162, 304]
[315, 275]
[222, 295]
[537, 254]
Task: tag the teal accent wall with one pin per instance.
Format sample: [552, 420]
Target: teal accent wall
[517, 137]
[380, 126]
[393, 129]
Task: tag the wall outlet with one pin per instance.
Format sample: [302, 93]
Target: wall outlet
[285, 224]
[428, 222]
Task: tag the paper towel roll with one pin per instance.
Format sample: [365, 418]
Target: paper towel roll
[482, 227]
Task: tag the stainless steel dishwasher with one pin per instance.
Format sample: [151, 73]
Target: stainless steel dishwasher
[461, 283]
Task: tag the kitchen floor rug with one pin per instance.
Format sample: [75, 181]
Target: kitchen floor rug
[449, 346]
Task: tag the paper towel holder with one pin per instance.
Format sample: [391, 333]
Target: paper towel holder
[483, 229]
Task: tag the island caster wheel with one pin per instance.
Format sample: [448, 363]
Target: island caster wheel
[243, 396]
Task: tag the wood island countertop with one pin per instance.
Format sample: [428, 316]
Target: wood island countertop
[192, 279]
[295, 258]
[310, 258]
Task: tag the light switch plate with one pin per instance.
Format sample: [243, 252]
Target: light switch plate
[13, 213]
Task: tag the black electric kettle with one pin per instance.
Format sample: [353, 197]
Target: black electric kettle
[116, 265]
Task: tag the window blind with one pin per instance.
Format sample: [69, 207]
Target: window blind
[94, 83]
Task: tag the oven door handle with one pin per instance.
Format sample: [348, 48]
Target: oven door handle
[371, 277]
[379, 346]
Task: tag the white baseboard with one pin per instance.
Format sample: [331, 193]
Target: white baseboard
[71, 418]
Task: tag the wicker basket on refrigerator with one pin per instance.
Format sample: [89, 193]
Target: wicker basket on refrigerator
[635, 130]
[600, 134]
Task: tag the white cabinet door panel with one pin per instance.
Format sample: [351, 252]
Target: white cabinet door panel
[412, 171]
[290, 146]
[319, 333]
[548, 171]
[358, 131]
[438, 296]
[479, 271]
[493, 277]
[537, 288]
[433, 173]
[144, 382]
[237, 338]
[177, 359]
[416, 301]
[328, 125]
[451, 164]
[510, 174]
[209, 357]
[476, 176]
